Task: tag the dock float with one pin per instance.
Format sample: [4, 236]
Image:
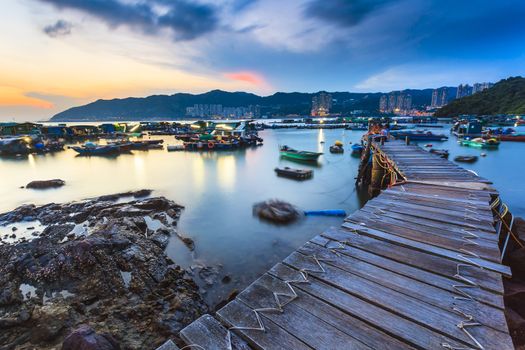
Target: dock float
[418, 267]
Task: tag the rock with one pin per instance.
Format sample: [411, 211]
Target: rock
[86, 280]
[189, 243]
[276, 211]
[226, 279]
[43, 184]
[85, 338]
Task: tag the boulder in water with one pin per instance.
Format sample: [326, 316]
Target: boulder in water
[43, 184]
[276, 211]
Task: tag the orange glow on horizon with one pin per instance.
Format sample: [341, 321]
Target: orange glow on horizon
[10, 96]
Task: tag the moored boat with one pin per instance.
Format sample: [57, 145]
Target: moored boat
[480, 143]
[466, 159]
[357, 149]
[419, 135]
[90, 148]
[172, 148]
[512, 137]
[298, 174]
[291, 153]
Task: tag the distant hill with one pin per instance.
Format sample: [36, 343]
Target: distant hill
[174, 106]
[505, 97]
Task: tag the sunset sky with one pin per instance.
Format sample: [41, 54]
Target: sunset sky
[55, 54]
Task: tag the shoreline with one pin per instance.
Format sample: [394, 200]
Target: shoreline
[94, 268]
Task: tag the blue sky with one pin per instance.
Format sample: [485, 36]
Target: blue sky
[60, 53]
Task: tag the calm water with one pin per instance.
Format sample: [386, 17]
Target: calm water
[219, 189]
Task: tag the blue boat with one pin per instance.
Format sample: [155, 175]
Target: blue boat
[357, 149]
[419, 136]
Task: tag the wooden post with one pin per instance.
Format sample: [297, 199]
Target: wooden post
[407, 140]
[377, 176]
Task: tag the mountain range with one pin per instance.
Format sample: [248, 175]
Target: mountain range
[172, 107]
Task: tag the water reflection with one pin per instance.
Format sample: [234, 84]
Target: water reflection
[226, 172]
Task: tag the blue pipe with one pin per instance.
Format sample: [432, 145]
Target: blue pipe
[327, 212]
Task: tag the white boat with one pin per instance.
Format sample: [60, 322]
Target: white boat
[172, 148]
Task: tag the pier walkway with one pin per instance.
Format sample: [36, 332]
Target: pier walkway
[418, 267]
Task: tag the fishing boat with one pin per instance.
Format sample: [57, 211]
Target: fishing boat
[419, 135]
[172, 148]
[512, 137]
[90, 148]
[291, 153]
[337, 147]
[478, 142]
[298, 174]
[357, 149]
[466, 159]
[442, 153]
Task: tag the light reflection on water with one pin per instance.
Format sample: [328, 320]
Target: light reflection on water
[218, 190]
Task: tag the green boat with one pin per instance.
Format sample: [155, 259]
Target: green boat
[306, 156]
[480, 143]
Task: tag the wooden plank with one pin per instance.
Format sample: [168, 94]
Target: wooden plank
[445, 300]
[424, 223]
[409, 307]
[430, 215]
[236, 313]
[310, 329]
[451, 241]
[481, 295]
[352, 326]
[426, 226]
[487, 280]
[445, 253]
[207, 333]
[412, 333]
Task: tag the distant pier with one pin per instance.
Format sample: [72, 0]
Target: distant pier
[418, 267]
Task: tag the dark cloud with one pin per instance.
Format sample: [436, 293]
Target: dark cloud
[187, 20]
[346, 13]
[60, 28]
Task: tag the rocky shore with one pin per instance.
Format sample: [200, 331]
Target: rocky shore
[93, 275]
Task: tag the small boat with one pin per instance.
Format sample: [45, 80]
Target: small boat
[357, 149]
[513, 137]
[480, 143]
[172, 148]
[298, 174]
[442, 153]
[419, 136]
[90, 148]
[291, 153]
[466, 159]
[428, 145]
[336, 149]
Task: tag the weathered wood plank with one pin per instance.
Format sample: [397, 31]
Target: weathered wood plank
[350, 325]
[398, 326]
[504, 270]
[453, 241]
[300, 323]
[487, 280]
[481, 295]
[486, 315]
[237, 314]
[209, 334]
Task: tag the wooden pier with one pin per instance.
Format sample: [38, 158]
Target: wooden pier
[418, 267]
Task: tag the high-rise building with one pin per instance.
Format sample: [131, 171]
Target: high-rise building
[383, 104]
[464, 90]
[478, 87]
[439, 97]
[396, 102]
[321, 104]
